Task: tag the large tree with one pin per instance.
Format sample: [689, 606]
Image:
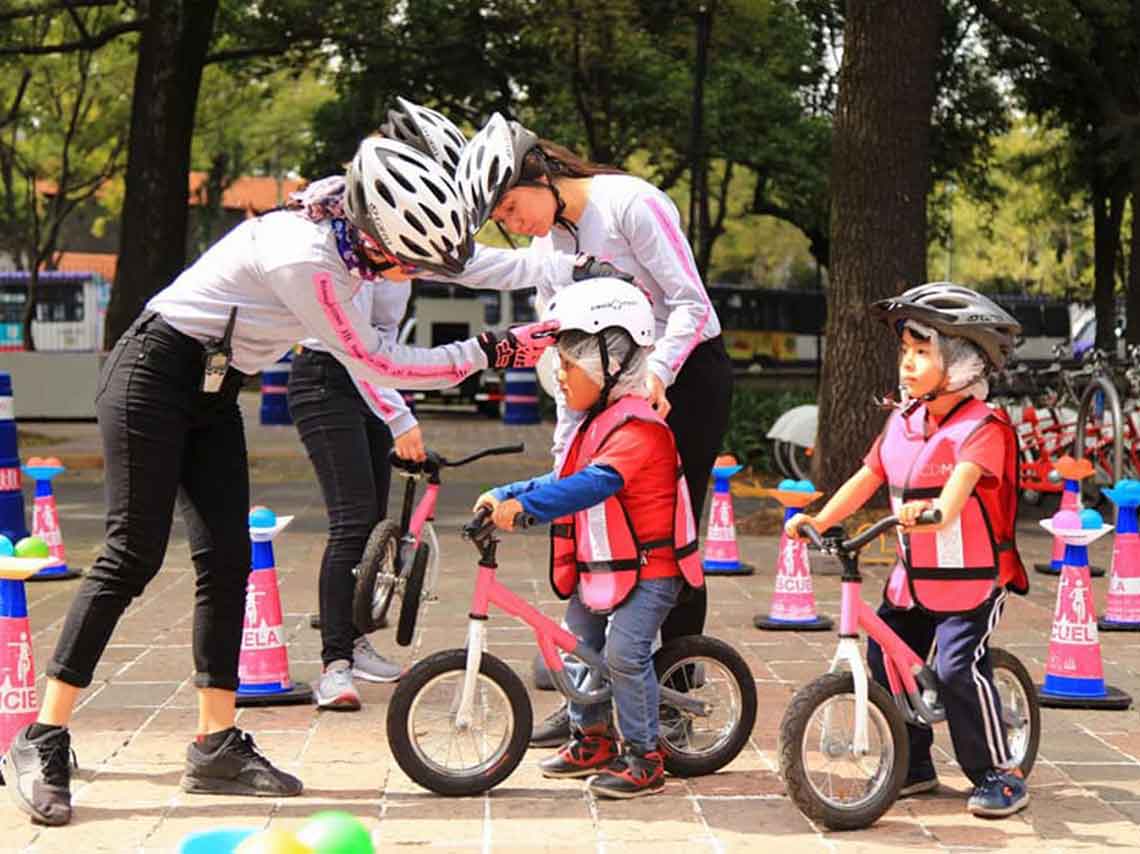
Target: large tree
[880, 177]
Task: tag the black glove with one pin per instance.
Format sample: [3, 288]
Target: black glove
[589, 267]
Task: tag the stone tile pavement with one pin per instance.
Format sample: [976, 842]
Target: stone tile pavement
[133, 724]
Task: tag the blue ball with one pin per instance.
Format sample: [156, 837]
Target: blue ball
[1129, 485]
[6, 547]
[262, 517]
[804, 486]
[1090, 519]
[786, 485]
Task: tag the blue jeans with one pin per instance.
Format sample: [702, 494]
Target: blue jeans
[629, 656]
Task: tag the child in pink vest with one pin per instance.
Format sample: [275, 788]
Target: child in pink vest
[623, 540]
[945, 448]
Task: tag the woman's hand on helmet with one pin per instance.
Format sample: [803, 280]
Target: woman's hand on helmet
[519, 347]
[488, 500]
[410, 445]
[657, 397]
[589, 267]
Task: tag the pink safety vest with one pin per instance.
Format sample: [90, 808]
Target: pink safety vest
[956, 569]
[597, 550]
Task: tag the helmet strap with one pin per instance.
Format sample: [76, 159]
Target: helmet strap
[609, 380]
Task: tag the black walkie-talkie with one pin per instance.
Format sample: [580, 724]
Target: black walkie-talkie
[217, 357]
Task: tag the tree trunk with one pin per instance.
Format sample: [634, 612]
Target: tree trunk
[880, 177]
[1108, 197]
[1132, 310]
[152, 250]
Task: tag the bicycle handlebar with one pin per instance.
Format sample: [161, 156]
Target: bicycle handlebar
[927, 517]
[435, 462]
[481, 523]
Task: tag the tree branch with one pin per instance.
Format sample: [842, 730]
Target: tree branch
[48, 8]
[92, 43]
[14, 110]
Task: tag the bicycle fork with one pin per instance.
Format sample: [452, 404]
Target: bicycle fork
[476, 637]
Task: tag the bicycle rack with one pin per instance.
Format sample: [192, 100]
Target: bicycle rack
[1112, 397]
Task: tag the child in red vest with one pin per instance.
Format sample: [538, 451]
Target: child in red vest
[944, 448]
[623, 540]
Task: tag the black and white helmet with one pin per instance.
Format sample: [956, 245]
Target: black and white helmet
[432, 133]
[956, 312]
[491, 165]
[409, 205]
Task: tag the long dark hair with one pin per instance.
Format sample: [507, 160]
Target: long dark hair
[550, 160]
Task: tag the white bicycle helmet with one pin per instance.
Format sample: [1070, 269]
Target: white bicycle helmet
[593, 305]
[490, 166]
[408, 204]
[432, 133]
[956, 312]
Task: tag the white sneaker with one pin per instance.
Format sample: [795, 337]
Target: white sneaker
[370, 665]
[334, 690]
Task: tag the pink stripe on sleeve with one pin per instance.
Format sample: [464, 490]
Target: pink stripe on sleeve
[346, 334]
[386, 410]
[677, 242]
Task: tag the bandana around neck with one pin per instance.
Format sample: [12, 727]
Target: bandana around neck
[324, 200]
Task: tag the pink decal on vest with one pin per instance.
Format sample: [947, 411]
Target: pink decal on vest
[1074, 645]
[684, 256]
[346, 334]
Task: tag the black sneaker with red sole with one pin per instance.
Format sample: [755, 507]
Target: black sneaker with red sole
[581, 756]
[630, 775]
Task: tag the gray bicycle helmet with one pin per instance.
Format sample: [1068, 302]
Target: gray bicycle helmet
[432, 133]
[408, 204]
[490, 166]
[955, 311]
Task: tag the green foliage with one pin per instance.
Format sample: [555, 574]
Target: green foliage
[753, 414]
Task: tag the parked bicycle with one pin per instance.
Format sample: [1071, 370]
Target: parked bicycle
[401, 559]
[843, 744]
[459, 721]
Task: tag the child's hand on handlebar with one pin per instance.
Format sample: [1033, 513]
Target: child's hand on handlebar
[792, 526]
[908, 513]
[505, 513]
[488, 500]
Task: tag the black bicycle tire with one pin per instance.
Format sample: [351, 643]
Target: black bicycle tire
[413, 590]
[367, 571]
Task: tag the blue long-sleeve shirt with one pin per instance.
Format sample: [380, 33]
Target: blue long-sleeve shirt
[549, 497]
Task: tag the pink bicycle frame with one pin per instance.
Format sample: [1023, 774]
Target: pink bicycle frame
[424, 511]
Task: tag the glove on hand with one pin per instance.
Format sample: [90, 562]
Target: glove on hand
[589, 267]
[519, 347]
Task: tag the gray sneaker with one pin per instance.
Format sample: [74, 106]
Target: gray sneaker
[334, 690]
[370, 665]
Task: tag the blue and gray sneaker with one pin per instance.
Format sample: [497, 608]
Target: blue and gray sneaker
[1001, 793]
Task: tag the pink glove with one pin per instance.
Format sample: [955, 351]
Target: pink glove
[519, 347]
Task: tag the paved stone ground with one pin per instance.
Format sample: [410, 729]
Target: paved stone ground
[133, 724]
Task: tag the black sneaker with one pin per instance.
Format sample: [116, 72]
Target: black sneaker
[236, 768]
[919, 780]
[38, 774]
[554, 731]
[581, 756]
[630, 775]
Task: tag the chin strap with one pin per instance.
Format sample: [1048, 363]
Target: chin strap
[608, 380]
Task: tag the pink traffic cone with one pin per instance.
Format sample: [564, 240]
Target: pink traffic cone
[263, 670]
[722, 556]
[1073, 471]
[1074, 673]
[45, 518]
[1122, 608]
[793, 601]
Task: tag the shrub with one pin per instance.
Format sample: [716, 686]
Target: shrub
[753, 414]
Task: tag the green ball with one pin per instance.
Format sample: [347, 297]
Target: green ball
[32, 547]
[336, 832]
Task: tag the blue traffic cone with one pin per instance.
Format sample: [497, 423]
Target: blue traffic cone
[263, 669]
[12, 523]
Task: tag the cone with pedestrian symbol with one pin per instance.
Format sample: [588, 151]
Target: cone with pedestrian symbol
[1073, 471]
[45, 518]
[1074, 672]
[722, 556]
[793, 602]
[18, 702]
[263, 669]
[1122, 608]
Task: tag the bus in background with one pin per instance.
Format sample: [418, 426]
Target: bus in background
[778, 327]
[70, 310]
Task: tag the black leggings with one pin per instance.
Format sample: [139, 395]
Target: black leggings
[701, 399]
[165, 440]
[348, 446]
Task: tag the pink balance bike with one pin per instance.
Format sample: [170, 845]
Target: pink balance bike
[459, 720]
[843, 744]
[400, 564]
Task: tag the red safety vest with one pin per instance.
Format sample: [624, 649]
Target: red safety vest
[597, 550]
[954, 570]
